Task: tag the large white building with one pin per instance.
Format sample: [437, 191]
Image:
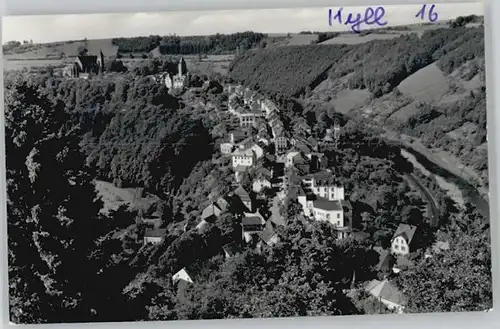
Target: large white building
[323, 188]
[244, 157]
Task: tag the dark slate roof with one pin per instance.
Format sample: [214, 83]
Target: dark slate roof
[252, 219]
[263, 173]
[325, 204]
[268, 232]
[406, 231]
[231, 248]
[155, 233]
[300, 158]
[242, 194]
[384, 255]
[88, 61]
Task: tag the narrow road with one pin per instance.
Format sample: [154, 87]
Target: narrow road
[275, 210]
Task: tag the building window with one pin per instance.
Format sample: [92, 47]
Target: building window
[338, 215]
[338, 223]
[403, 248]
[396, 247]
[327, 216]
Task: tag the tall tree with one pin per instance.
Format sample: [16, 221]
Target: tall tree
[53, 213]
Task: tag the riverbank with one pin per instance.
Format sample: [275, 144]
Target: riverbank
[457, 186]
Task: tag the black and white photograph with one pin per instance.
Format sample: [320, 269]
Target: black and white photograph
[257, 163]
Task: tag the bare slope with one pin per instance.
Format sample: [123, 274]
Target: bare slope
[63, 49]
[427, 84]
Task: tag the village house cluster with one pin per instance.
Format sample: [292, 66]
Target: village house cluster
[271, 167]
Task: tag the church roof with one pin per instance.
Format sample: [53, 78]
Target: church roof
[87, 61]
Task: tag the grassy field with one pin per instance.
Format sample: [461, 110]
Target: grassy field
[427, 84]
[61, 49]
[114, 197]
[353, 39]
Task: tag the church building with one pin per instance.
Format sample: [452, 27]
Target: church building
[85, 66]
[180, 80]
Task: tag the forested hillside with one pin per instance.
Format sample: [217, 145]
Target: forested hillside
[213, 44]
[379, 67]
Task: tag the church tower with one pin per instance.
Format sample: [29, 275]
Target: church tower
[182, 68]
[101, 62]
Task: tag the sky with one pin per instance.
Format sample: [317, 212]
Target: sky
[51, 28]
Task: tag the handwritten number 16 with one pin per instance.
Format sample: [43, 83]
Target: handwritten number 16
[432, 15]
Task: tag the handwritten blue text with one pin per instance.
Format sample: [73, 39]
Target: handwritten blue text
[371, 16]
[431, 15]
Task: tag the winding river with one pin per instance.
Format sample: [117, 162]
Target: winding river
[458, 188]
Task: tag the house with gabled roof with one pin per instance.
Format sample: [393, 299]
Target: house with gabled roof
[313, 143]
[258, 150]
[387, 294]
[243, 157]
[154, 235]
[212, 211]
[182, 275]
[325, 210]
[226, 148]
[238, 173]
[269, 235]
[252, 223]
[244, 196]
[404, 239]
[263, 178]
[236, 136]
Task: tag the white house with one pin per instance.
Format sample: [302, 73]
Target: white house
[259, 151]
[387, 294]
[403, 239]
[154, 236]
[226, 148]
[289, 158]
[325, 210]
[330, 211]
[260, 183]
[324, 188]
[182, 275]
[244, 157]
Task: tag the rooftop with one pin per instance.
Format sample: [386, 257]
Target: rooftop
[406, 231]
[268, 232]
[248, 152]
[324, 204]
[231, 249]
[385, 290]
[242, 193]
[253, 219]
[155, 233]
